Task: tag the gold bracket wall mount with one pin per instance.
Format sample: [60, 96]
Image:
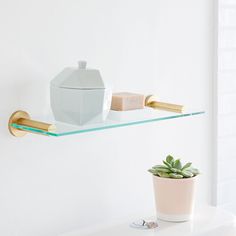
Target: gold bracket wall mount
[23, 118]
[152, 101]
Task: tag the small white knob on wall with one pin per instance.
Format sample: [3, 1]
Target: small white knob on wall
[82, 64]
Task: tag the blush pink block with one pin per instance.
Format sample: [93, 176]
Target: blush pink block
[174, 198]
[127, 101]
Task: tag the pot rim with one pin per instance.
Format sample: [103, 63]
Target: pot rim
[172, 179]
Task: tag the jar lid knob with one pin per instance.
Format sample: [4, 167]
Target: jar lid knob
[82, 64]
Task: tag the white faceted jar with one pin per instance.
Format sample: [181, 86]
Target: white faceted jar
[79, 96]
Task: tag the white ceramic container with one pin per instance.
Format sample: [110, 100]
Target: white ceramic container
[79, 96]
[174, 198]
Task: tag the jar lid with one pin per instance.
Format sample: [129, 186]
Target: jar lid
[79, 78]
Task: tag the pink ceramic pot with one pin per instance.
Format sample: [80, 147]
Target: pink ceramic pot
[174, 198]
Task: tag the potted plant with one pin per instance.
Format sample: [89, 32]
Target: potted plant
[174, 186]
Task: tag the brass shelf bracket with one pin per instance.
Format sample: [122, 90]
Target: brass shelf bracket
[151, 101]
[23, 118]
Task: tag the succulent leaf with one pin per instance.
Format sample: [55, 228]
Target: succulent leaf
[175, 176]
[187, 173]
[163, 174]
[194, 171]
[187, 165]
[167, 164]
[177, 164]
[157, 166]
[152, 171]
[162, 169]
[174, 170]
[170, 159]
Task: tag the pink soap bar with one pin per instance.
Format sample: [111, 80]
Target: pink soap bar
[127, 101]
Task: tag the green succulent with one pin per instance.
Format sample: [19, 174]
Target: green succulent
[174, 169]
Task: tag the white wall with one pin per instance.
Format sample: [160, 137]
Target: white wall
[227, 106]
[52, 185]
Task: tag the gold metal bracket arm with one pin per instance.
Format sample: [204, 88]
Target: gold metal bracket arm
[23, 118]
[151, 101]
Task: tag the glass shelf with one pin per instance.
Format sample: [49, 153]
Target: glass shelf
[67, 129]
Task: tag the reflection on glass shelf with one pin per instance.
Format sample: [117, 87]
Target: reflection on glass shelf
[112, 122]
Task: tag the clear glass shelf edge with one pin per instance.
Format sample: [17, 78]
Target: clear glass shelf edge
[67, 129]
